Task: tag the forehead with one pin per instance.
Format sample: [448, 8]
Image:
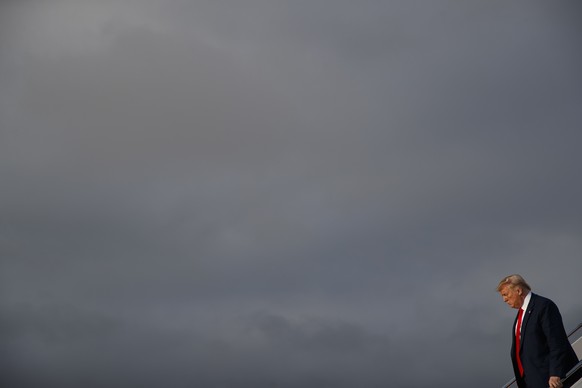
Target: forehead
[506, 289]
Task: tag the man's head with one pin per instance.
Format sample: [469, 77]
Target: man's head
[513, 290]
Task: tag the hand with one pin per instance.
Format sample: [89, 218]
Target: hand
[555, 382]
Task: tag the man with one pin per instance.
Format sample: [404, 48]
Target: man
[540, 350]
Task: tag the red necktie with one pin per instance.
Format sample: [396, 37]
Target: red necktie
[518, 342]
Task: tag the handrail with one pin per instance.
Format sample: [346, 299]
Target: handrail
[572, 372]
[573, 375]
[575, 330]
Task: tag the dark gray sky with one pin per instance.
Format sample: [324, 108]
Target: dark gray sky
[292, 194]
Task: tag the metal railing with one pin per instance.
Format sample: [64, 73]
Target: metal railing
[573, 375]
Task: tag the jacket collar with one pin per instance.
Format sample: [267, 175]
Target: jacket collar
[526, 315]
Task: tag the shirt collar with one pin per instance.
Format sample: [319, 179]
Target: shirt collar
[526, 301]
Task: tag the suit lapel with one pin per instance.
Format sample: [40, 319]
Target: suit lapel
[525, 319]
[513, 330]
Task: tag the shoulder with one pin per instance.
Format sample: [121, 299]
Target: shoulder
[543, 304]
[542, 300]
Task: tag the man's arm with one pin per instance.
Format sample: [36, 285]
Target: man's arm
[557, 340]
[555, 382]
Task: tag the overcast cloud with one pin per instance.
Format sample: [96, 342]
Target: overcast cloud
[293, 194]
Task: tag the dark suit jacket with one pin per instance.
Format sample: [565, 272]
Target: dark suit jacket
[545, 349]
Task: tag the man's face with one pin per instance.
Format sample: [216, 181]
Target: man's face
[512, 296]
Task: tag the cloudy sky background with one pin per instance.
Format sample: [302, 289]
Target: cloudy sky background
[283, 193]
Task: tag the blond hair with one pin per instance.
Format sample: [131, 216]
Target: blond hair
[513, 281]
